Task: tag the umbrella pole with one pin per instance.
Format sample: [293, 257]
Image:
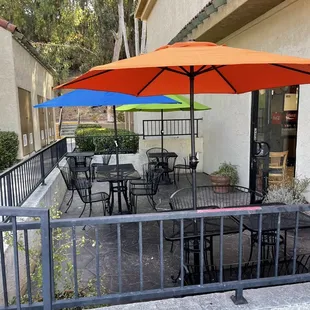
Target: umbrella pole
[162, 133]
[193, 159]
[117, 161]
[115, 137]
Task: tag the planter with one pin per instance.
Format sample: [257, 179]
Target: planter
[221, 183]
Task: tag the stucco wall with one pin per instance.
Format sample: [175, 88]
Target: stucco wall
[282, 30]
[9, 116]
[168, 18]
[33, 77]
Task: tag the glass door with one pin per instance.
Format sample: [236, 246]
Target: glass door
[273, 136]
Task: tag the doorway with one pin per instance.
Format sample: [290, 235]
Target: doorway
[274, 122]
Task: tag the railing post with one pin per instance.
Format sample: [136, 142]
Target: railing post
[42, 168]
[9, 186]
[46, 261]
[143, 132]
[238, 298]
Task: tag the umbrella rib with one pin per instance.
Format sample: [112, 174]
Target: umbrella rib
[207, 70]
[225, 79]
[292, 69]
[200, 69]
[176, 71]
[184, 70]
[151, 81]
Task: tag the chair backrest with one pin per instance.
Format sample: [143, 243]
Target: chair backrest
[153, 176]
[207, 196]
[106, 159]
[277, 162]
[83, 187]
[154, 150]
[67, 176]
[79, 161]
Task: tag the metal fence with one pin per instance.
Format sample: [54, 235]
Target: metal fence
[20, 181]
[208, 278]
[171, 127]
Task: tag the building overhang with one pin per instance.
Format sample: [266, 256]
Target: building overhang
[220, 18]
[144, 8]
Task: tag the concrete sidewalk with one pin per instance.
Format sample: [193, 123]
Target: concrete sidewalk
[293, 297]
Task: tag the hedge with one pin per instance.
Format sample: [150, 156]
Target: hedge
[101, 140]
[8, 149]
[83, 126]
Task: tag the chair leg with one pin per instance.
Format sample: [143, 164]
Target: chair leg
[70, 201]
[104, 207]
[135, 204]
[83, 210]
[90, 209]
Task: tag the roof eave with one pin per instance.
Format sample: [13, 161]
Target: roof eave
[144, 9]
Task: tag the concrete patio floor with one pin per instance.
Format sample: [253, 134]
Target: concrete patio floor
[86, 260]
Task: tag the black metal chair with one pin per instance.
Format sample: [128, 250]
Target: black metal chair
[148, 188]
[67, 176]
[80, 166]
[83, 187]
[151, 160]
[105, 161]
[185, 166]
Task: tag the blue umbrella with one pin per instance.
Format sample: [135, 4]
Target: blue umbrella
[94, 98]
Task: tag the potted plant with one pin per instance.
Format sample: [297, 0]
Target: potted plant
[226, 175]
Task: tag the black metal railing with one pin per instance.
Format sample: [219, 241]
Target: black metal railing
[19, 182]
[171, 127]
[195, 277]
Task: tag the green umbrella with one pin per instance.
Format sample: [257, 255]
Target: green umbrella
[184, 105]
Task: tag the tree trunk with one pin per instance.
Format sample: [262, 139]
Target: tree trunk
[123, 26]
[137, 37]
[143, 38]
[117, 49]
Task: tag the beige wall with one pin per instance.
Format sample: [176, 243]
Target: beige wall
[33, 77]
[9, 116]
[282, 30]
[168, 17]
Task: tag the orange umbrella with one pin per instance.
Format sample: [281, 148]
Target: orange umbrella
[195, 67]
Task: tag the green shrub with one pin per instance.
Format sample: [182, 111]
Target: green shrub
[8, 149]
[101, 140]
[83, 126]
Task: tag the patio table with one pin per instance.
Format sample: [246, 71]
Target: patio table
[120, 175]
